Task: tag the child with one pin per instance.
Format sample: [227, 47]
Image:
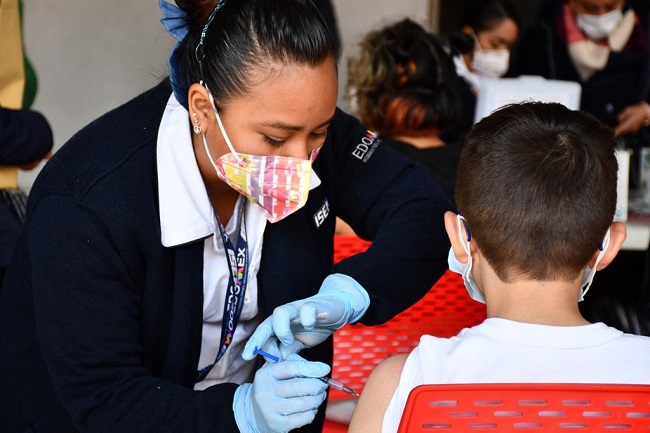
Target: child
[536, 192]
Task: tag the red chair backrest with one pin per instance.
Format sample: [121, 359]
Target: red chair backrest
[443, 311]
[348, 245]
[526, 407]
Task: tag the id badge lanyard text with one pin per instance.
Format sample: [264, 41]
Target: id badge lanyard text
[237, 257]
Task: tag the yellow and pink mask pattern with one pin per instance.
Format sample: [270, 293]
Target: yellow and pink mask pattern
[279, 185]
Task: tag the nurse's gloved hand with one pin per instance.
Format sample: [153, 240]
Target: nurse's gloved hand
[308, 322]
[283, 396]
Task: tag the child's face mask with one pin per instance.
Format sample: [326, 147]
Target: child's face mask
[277, 184]
[465, 269]
[589, 274]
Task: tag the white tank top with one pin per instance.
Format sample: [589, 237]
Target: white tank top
[500, 350]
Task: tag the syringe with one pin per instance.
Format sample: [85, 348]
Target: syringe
[331, 382]
[338, 385]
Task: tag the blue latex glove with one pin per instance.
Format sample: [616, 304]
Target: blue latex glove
[308, 322]
[283, 396]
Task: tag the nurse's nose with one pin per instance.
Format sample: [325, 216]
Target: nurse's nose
[298, 150]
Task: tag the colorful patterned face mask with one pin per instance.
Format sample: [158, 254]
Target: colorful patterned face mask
[277, 184]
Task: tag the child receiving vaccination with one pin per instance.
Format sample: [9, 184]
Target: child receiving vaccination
[536, 192]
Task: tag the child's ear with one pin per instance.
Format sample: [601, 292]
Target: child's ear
[617, 234]
[451, 226]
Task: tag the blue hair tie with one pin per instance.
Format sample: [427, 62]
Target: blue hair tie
[175, 21]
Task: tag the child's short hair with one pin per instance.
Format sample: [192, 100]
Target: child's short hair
[537, 186]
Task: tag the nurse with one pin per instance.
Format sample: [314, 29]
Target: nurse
[163, 233]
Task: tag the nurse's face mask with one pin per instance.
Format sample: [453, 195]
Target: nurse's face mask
[279, 185]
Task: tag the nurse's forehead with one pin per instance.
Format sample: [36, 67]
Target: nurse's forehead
[278, 124]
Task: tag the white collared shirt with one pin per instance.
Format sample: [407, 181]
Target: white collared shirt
[186, 214]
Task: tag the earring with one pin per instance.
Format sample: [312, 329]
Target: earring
[197, 126]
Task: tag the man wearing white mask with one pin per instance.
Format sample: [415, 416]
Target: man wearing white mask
[603, 45]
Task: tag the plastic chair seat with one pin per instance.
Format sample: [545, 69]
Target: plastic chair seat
[539, 407]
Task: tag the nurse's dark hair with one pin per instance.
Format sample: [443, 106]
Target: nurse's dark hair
[536, 183]
[247, 38]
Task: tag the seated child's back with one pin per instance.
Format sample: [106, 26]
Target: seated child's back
[536, 191]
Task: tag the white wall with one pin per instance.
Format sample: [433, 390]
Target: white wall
[92, 55]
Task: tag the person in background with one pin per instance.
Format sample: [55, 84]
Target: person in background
[25, 135]
[604, 46]
[481, 49]
[403, 83]
[600, 44]
[530, 254]
[163, 233]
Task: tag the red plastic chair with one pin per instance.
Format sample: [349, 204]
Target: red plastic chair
[443, 311]
[348, 245]
[527, 407]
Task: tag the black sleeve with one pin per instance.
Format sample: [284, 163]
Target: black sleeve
[396, 204]
[25, 136]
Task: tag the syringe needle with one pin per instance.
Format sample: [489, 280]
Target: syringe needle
[338, 385]
[331, 382]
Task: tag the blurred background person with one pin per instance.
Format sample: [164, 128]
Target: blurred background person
[481, 49]
[402, 85]
[25, 135]
[602, 45]
[403, 82]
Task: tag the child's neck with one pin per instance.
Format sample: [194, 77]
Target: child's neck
[545, 303]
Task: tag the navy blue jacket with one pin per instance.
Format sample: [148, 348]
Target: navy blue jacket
[100, 325]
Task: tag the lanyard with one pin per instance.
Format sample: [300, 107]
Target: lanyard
[234, 301]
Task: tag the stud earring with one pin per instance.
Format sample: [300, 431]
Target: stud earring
[197, 126]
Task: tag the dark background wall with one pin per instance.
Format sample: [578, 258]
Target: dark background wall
[451, 13]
